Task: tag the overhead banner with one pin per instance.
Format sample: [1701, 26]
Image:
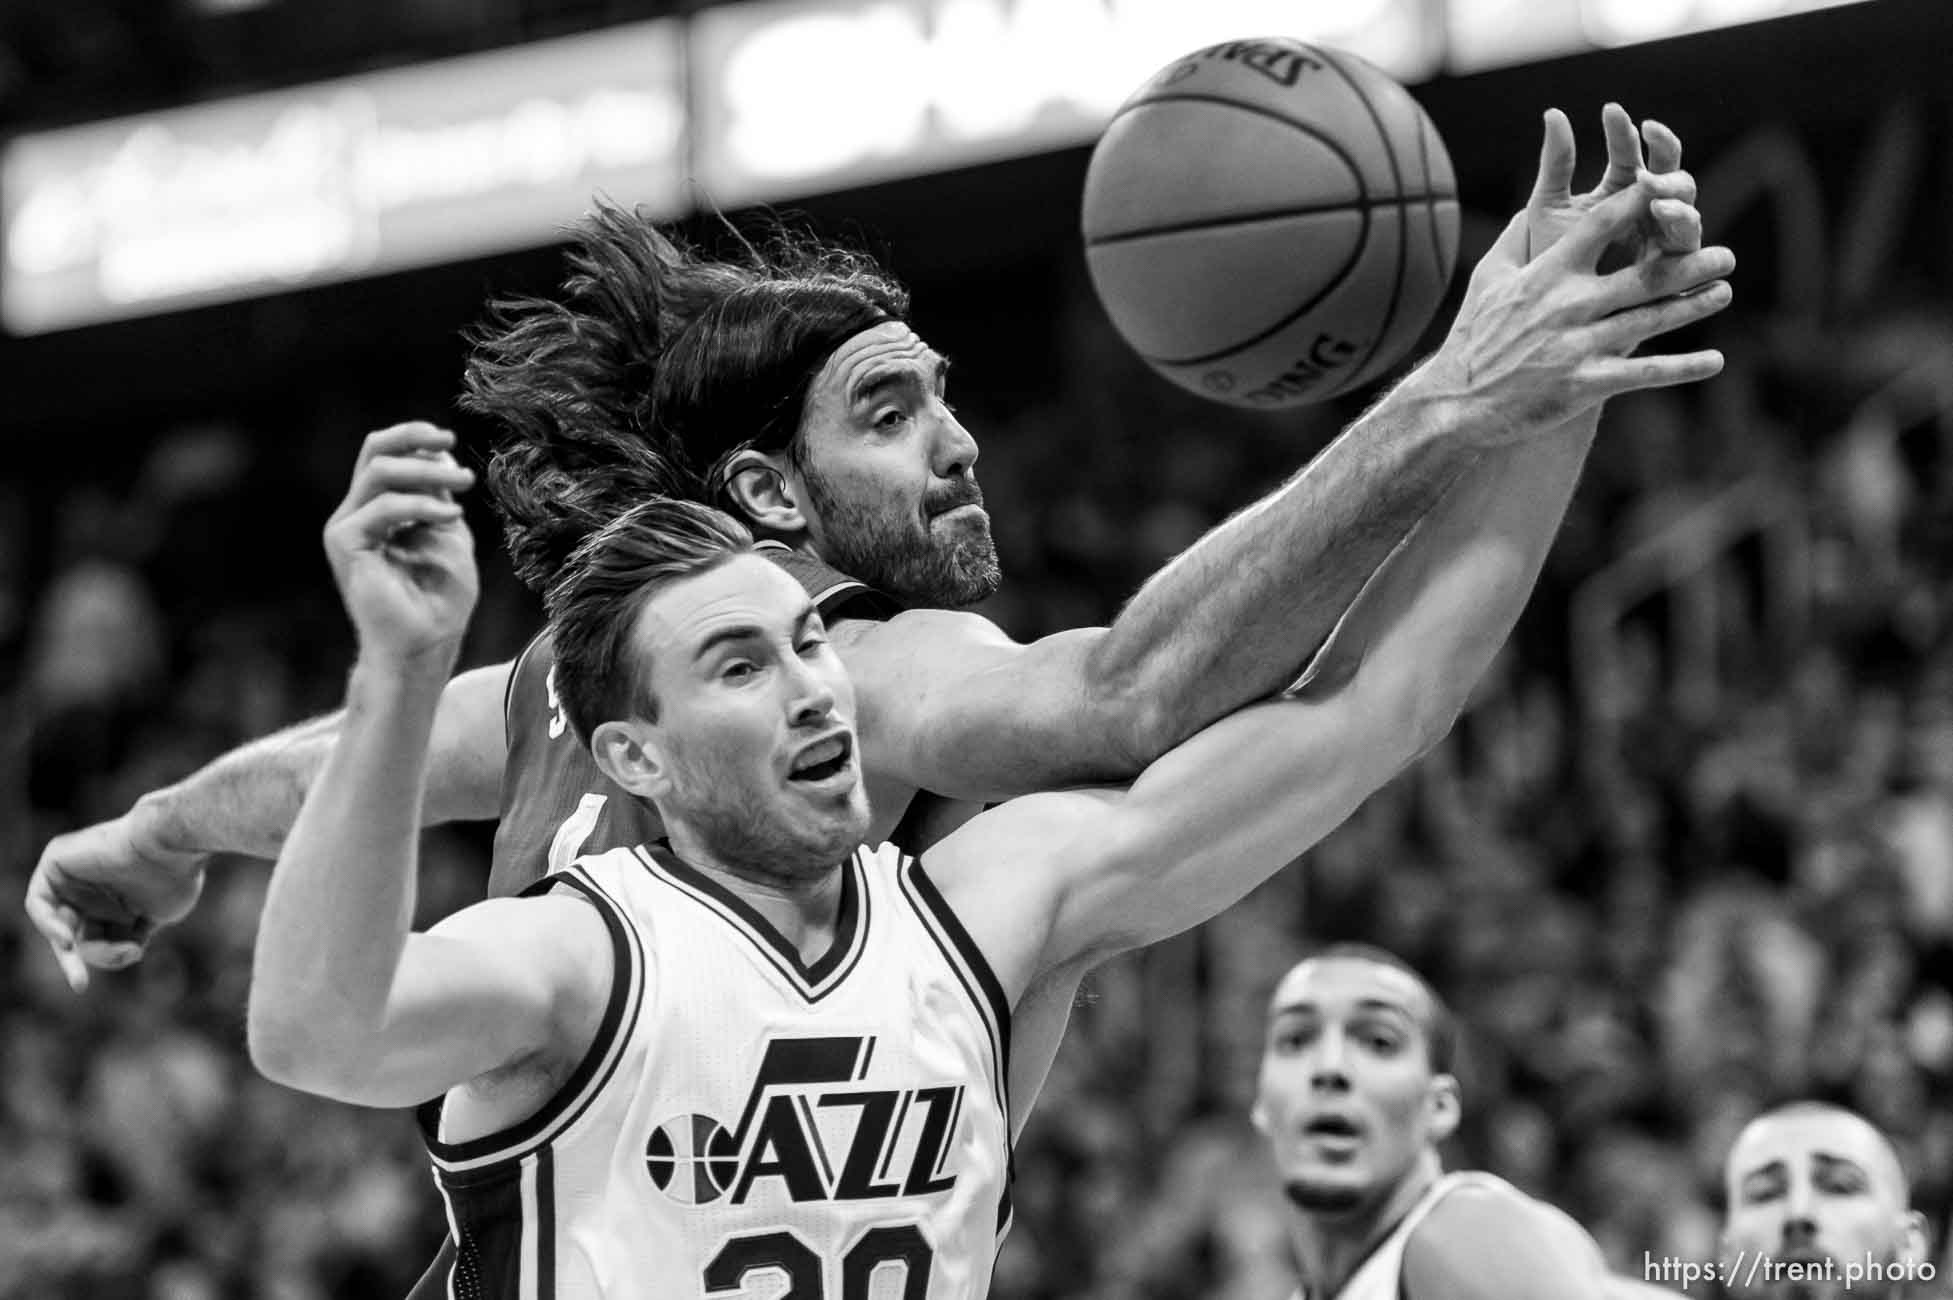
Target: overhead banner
[799, 96]
[1484, 34]
[737, 104]
[357, 176]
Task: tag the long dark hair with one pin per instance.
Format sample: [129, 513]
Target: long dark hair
[651, 368]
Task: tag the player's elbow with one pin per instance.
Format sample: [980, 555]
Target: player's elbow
[1437, 712]
[293, 1049]
[1416, 711]
[1135, 725]
[278, 1050]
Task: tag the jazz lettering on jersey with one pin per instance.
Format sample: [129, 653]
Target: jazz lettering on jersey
[807, 1135]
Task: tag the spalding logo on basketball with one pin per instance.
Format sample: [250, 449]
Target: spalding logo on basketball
[1270, 223]
[692, 1159]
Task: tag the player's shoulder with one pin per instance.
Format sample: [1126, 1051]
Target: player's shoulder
[542, 924]
[602, 868]
[925, 638]
[1481, 1224]
[1481, 1202]
[535, 658]
[835, 594]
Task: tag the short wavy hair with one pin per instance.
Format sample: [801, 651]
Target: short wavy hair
[602, 587]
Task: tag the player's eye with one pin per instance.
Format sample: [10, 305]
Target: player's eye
[737, 670]
[812, 643]
[890, 418]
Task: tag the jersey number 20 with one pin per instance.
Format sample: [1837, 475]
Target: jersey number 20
[783, 1252]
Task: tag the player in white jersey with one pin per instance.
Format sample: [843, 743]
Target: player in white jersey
[699, 675]
[1355, 1096]
[1819, 1208]
[742, 1111]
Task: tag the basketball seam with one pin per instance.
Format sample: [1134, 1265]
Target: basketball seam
[1403, 235]
[1269, 214]
[1342, 272]
[1431, 206]
[1328, 142]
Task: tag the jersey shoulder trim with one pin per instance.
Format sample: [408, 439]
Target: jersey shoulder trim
[502, 1231]
[980, 983]
[943, 925]
[591, 1074]
[814, 982]
[834, 593]
[515, 675]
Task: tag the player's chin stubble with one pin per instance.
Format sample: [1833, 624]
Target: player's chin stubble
[1313, 1198]
[946, 567]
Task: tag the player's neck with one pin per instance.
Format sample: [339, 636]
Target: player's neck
[805, 909]
[1330, 1248]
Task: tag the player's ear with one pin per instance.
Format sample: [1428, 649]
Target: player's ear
[1445, 1110]
[764, 492]
[628, 754]
[1914, 1241]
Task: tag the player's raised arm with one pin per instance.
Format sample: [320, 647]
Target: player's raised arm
[344, 1000]
[1217, 815]
[958, 708]
[99, 894]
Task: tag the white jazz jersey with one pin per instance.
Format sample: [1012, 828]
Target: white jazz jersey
[1381, 1275]
[749, 1127]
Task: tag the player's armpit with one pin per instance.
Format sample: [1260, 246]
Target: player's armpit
[468, 747]
[949, 703]
[491, 985]
[1483, 1244]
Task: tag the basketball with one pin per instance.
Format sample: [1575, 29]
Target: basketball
[1269, 223]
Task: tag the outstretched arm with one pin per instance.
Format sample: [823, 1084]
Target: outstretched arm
[344, 1000]
[1219, 814]
[958, 708]
[99, 894]
[245, 801]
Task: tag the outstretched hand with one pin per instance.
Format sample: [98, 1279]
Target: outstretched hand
[1539, 342]
[1671, 224]
[98, 895]
[400, 551]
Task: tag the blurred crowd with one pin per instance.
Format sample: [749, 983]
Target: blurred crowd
[1660, 896]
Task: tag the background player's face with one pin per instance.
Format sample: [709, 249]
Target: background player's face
[753, 708]
[1809, 1186]
[889, 474]
[1347, 1095]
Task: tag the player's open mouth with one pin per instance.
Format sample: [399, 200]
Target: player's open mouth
[1331, 1126]
[823, 760]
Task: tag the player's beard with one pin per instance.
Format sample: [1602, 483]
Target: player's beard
[918, 564]
[1834, 1288]
[1314, 1198]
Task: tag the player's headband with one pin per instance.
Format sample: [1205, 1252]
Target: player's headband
[773, 401]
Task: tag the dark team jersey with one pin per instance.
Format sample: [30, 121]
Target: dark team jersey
[556, 803]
